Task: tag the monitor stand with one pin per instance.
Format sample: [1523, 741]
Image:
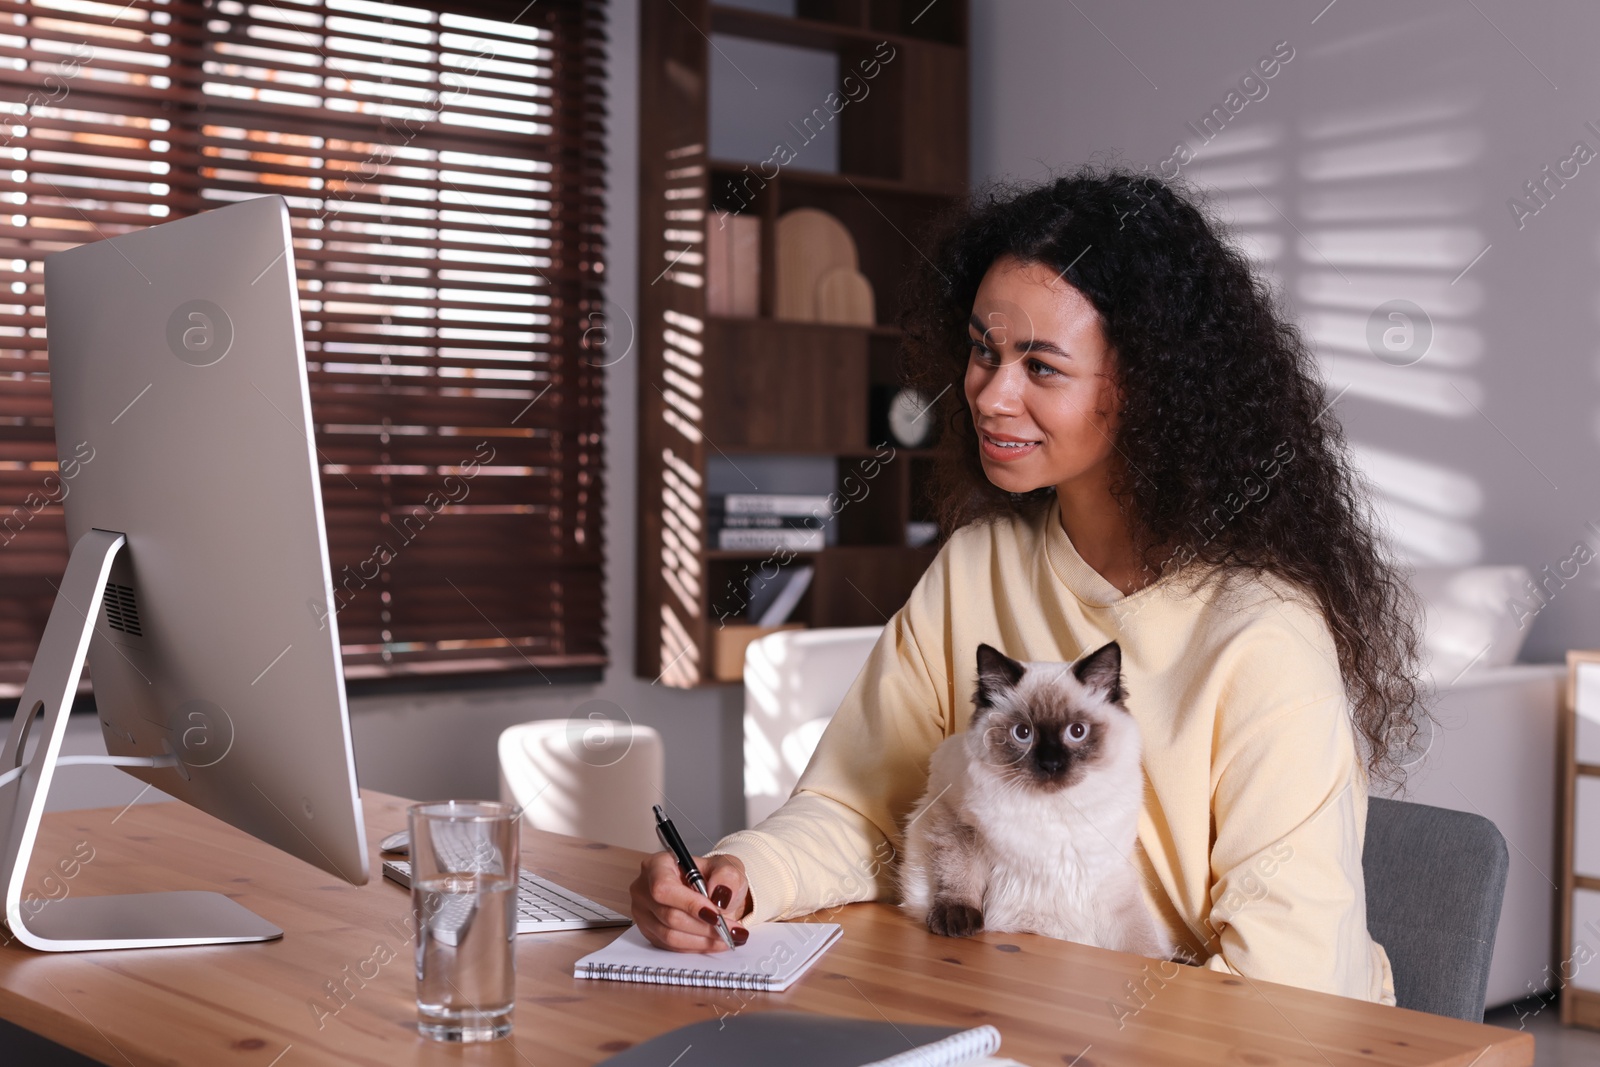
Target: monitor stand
[74, 923]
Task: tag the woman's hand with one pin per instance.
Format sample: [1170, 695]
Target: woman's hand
[673, 915]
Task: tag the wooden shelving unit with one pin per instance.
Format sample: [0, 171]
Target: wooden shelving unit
[724, 386]
[1578, 974]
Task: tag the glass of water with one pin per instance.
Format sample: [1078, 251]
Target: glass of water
[464, 872]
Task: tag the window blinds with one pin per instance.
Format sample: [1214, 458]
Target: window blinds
[443, 164]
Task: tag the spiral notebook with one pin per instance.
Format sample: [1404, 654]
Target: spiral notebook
[807, 1039]
[776, 954]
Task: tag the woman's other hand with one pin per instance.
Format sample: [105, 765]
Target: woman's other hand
[673, 915]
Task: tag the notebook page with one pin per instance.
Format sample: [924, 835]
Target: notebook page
[781, 950]
[957, 1050]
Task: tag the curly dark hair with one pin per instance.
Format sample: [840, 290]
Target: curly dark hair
[1218, 388]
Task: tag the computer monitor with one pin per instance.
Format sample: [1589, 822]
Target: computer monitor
[199, 582]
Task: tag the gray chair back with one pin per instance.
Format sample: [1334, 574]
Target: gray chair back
[1435, 879]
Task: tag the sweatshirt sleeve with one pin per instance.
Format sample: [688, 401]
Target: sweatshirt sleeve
[835, 839]
[1289, 800]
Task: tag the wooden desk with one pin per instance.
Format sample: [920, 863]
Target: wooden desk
[269, 1005]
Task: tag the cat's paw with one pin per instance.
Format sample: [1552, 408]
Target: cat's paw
[950, 918]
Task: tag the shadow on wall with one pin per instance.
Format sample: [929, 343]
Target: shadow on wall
[1366, 216]
[1368, 191]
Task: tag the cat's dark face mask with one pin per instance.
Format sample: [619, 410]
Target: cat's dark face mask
[1045, 727]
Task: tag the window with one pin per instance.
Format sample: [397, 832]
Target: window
[443, 164]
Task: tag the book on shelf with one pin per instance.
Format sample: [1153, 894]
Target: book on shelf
[722, 520]
[791, 584]
[799, 522]
[804, 504]
[768, 539]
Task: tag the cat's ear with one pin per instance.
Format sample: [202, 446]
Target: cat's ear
[1102, 670]
[996, 671]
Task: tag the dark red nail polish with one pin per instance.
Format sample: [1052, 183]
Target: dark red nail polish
[740, 935]
[721, 896]
[709, 916]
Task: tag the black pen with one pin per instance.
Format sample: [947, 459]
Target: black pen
[671, 841]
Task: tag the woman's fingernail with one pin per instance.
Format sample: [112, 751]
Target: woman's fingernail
[740, 935]
[721, 896]
[709, 916]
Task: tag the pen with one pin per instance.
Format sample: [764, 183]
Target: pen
[670, 840]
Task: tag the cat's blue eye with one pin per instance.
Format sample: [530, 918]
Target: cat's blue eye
[1022, 731]
[1077, 732]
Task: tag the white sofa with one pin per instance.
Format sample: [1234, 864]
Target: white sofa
[1493, 752]
[794, 680]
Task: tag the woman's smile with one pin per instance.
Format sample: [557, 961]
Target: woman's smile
[1004, 449]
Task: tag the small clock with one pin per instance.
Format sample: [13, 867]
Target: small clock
[911, 418]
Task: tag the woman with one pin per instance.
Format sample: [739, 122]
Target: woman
[1136, 449]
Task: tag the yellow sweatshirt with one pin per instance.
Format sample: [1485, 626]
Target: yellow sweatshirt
[1256, 797]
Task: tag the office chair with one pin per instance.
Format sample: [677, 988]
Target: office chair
[593, 777]
[1435, 879]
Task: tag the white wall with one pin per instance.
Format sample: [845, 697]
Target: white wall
[1377, 165]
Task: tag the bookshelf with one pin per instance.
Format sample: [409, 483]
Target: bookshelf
[723, 388]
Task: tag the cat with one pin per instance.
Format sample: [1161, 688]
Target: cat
[1030, 816]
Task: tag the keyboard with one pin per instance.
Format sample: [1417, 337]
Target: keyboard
[542, 905]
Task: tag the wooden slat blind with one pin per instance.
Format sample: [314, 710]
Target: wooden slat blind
[444, 167]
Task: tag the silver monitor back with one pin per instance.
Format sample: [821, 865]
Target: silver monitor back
[183, 421]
